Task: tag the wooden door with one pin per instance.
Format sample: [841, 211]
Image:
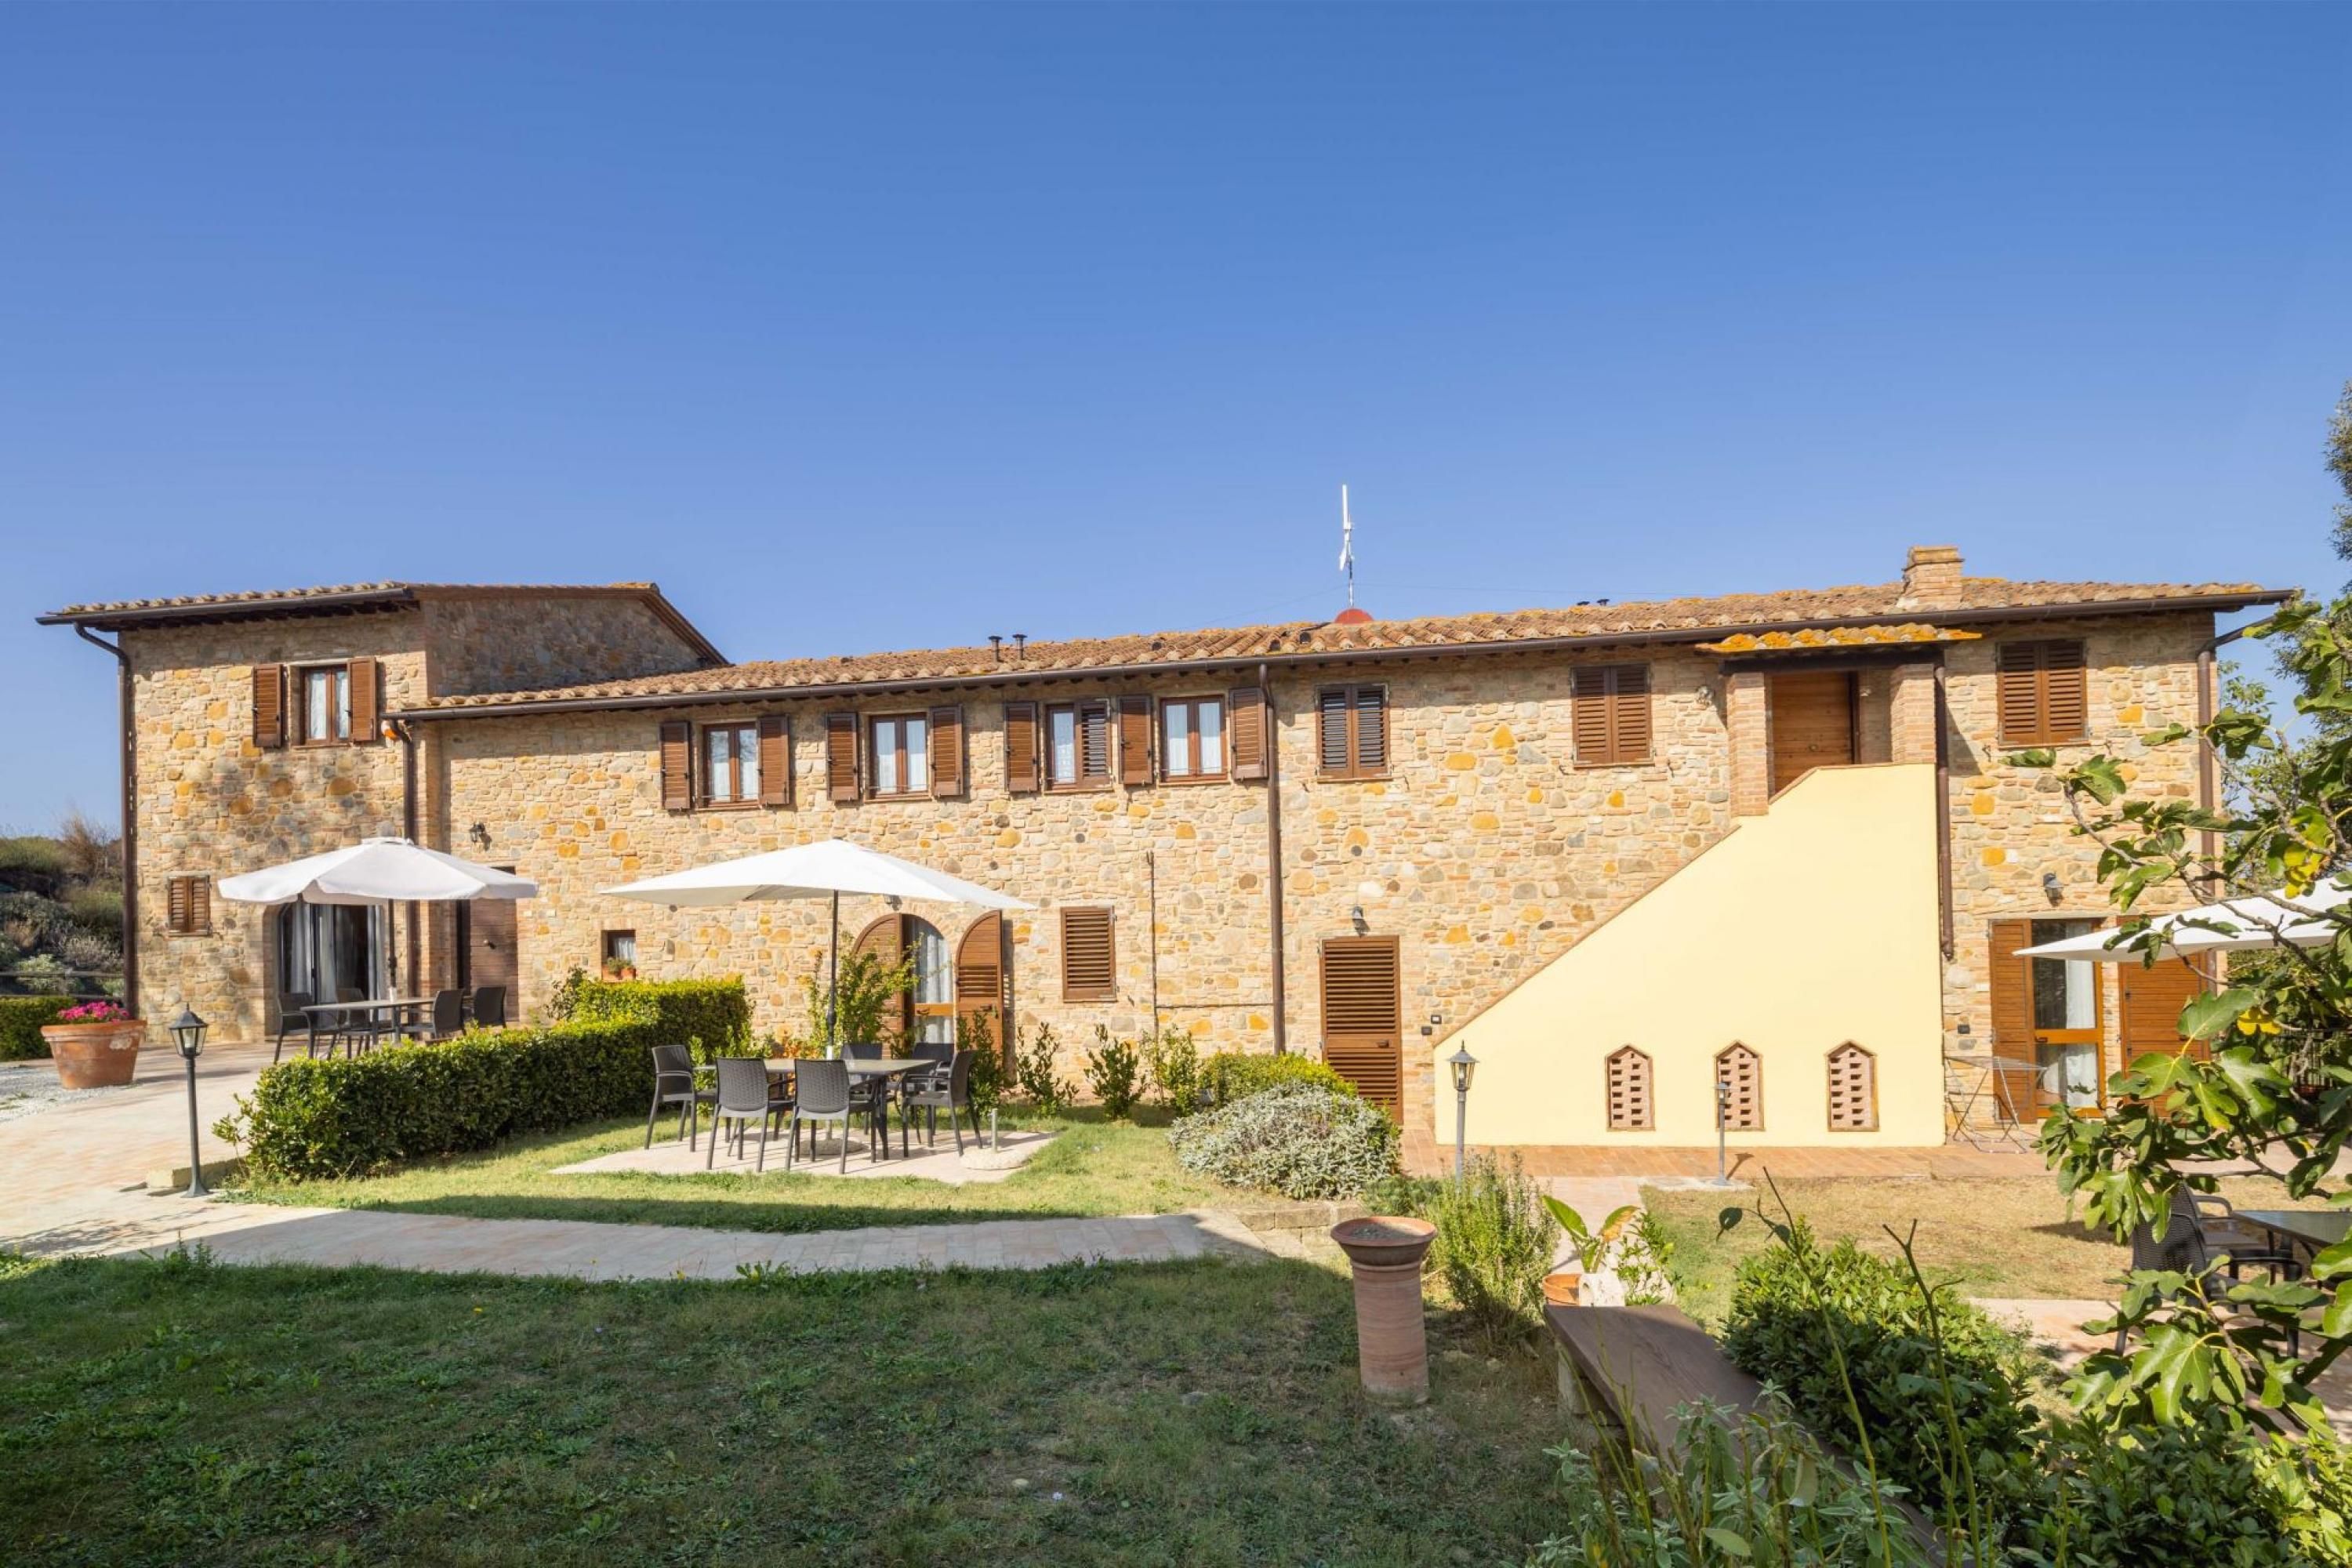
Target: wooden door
[980, 972]
[1812, 715]
[2049, 1018]
[2152, 1000]
[491, 956]
[1363, 1022]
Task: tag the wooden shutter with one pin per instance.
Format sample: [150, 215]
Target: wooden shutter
[2152, 1001]
[1371, 717]
[677, 765]
[1331, 749]
[2011, 979]
[1352, 732]
[841, 758]
[188, 905]
[1094, 743]
[1247, 730]
[493, 945]
[1020, 747]
[1363, 1016]
[1629, 1093]
[1742, 1071]
[269, 706]
[946, 752]
[1608, 714]
[1135, 740]
[1090, 956]
[980, 972]
[1853, 1090]
[365, 678]
[2042, 692]
[775, 760]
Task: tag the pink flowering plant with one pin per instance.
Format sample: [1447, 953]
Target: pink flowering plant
[95, 1013]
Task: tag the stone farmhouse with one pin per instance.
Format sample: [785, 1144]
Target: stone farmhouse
[1625, 852]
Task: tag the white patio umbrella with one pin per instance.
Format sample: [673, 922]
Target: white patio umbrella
[2258, 920]
[376, 871]
[826, 869]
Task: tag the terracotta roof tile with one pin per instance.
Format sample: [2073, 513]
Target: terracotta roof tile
[1295, 640]
[1809, 639]
[259, 598]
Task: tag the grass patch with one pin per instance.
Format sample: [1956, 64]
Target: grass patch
[1197, 1414]
[1094, 1168]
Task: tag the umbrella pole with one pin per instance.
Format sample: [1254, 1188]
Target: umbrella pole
[833, 986]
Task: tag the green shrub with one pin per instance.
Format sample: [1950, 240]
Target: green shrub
[97, 909]
[1300, 1140]
[1172, 1064]
[43, 975]
[866, 1001]
[1115, 1074]
[327, 1118]
[1494, 1242]
[2190, 1495]
[1826, 1326]
[1036, 1073]
[33, 863]
[710, 1018]
[21, 1018]
[1230, 1075]
[976, 1033]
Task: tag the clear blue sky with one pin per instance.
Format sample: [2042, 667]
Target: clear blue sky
[896, 326]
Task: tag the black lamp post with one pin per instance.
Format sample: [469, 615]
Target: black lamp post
[189, 1031]
[1722, 1120]
[1464, 1064]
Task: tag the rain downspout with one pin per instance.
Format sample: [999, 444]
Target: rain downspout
[408, 831]
[130, 820]
[1151, 874]
[1274, 851]
[1943, 820]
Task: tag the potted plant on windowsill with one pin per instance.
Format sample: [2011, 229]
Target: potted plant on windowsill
[95, 1044]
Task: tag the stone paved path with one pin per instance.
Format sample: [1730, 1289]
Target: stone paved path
[75, 1174]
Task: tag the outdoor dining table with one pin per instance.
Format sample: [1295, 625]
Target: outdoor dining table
[890, 1068]
[395, 1005]
[2310, 1231]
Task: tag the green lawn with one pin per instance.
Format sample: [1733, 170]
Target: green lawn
[1197, 1414]
[1093, 1168]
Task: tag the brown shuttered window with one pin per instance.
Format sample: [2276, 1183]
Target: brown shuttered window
[2043, 693]
[898, 756]
[1629, 1090]
[1247, 725]
[366, 679]
[775, 760]
[1610, 714]
[841, 757]
[268, 705]
[1020, 747]
[321, 704]
[1740, 1074]
[1089, 966]
[1352, 732]
[1362, 1022]
[1135, 741]
[1078, 746]
[729, 772]
[188, 905]
[947, 753]
[1853, 1090]
[1192, 738]
[677, 765]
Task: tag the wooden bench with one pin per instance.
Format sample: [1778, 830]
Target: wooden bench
[1628, 1367]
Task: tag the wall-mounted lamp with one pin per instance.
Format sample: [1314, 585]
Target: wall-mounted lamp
[479, 835]
[2050, 888]
[1356, 919]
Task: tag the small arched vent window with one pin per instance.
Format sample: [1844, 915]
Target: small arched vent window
[1629, 1091]
[1740, 1072]
[1853, 1090]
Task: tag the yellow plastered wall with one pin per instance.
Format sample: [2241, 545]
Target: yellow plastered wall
[1806, 927]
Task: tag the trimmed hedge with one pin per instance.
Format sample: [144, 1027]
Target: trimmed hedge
[21, 1018]
[711, 1017]
[1230, 1075]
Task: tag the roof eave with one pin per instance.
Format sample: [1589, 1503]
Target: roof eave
[107, 620]
[1014, 674]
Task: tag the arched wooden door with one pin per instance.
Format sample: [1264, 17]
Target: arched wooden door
[927, 1011]
[983, 977]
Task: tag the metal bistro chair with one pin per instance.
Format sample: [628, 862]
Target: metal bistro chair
[2189, 1246]
[490, 1007]
[292, 1019]
[354, 1029]
[953, 1094]
[742, 1098]
[673, 1085]
[822, 1093]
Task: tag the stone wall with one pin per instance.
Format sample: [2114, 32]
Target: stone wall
[482, 641]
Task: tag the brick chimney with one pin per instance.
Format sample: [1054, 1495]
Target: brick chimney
[1931, 578]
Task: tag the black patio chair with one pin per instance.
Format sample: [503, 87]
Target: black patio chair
[822, 1093]
[490, 1007]
[291, 1018]
[448, 1014]
[355, 1029]
[952, 1095]
[2189, 1245]
[742, 1098]
[673, 1085]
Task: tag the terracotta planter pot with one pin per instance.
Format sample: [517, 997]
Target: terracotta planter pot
[95, 1056]
[1561, 1290]
[1392, 1347]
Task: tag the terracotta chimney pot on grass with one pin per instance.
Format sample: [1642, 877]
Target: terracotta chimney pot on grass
[1391, 1346]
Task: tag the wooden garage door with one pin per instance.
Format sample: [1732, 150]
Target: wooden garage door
[1363, 1016]
[1812, 723]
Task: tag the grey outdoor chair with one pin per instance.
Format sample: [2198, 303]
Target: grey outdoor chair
[490, 1007]
[356, 1032]
[742, 1098]
[821, 1093]
[292, 1019]
[2189, 1243]
[673, 1085]
[952, 1095]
